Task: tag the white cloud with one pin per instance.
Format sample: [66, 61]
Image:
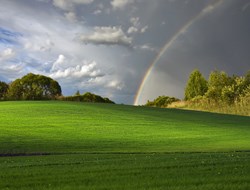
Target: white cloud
[107, 36]
[11, 70]
[144, 29]
[132, 29]
[6, 54]
[38, 46]
[136, 26]
[121, 4]
[87, 70]
[71, 16]
[148, 47]
[135, 21]
[69, 4]
[116, 85]
[60, 60]
[97, 12]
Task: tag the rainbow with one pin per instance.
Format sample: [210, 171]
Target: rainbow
[203, 12]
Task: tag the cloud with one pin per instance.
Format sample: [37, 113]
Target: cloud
[69, 4]
[144, 29]
[6, 54]
[37, 44]
[121, 4]
[148, 47]
[135, 21]
[97, 12]
[87, 70]
[107, 36]
[71, 16]
[115, 84]
[60, 60]
[11, 71]
[132, 29]
[136, 26]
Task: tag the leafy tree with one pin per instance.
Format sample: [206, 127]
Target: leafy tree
[15, 90]
[34, 87]
[3, 89]
[196, 85]
[216, 82]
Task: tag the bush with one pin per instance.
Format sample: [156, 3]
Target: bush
[162, 101]
[87, 97]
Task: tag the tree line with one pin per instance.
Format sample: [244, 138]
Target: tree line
[40, 87]
[86, 97]
[219, 90]
[220, 87]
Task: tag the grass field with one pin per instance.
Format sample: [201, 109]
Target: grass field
[66, 145]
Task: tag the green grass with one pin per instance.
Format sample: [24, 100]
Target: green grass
[103, 146]
[173, 171]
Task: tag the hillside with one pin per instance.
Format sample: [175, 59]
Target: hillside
[63, 127]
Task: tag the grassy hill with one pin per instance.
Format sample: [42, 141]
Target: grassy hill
[105, 146]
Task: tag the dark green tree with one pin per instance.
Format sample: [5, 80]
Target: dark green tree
[87, 97]
[34, 87]
[196, 85]
[3, 89]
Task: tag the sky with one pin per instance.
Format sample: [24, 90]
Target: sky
[130, 51]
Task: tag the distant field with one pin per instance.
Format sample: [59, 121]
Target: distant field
[103, 146]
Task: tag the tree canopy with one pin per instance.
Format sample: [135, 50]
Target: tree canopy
[196, 85]
[3, 89]
[34, 87]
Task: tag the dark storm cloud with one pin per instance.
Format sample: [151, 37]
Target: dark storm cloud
[218, 41]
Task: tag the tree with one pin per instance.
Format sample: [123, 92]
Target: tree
[34, 87]
[247, 80]
[216, 82]
[77, 93]
[196, 85]
[3, 89]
